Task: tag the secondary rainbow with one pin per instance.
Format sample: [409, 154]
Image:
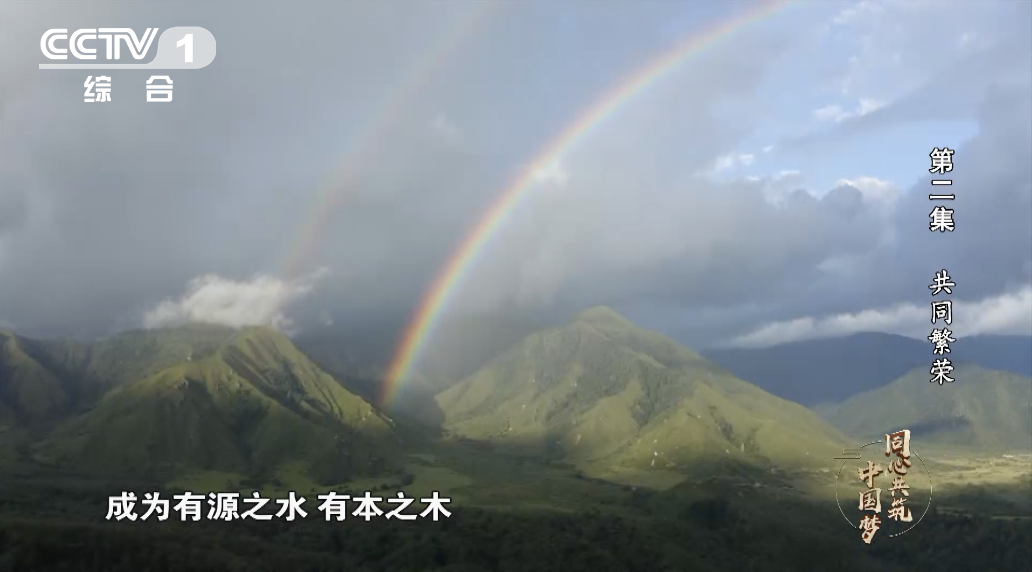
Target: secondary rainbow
[464, 257]
[369, 136]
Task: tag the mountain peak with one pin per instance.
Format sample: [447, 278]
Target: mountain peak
[225, 399]
[602, 315]
[603, 390]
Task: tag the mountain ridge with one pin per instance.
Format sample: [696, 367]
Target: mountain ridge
[983, 408]
[600, 389]
[799, 371]
[197, 398]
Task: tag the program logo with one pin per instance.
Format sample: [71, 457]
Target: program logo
[875, 486]
[177, 48]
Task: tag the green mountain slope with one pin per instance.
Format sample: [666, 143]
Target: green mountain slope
[600, 390]
[240, 401]
[88, 370]
[31, 394]
[37, 390]
[983, 408]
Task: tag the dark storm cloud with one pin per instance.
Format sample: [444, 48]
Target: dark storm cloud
[132, 200]
[196, 210]
[989, 254]
[708, 260]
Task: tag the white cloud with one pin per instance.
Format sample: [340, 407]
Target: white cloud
[873, 189]
[829, 113]
[867, 106]
[1008, 313]
[768, 148]
[837, 114]
[777, 186]
[553, 173]
[212, 299]
[856, 12]
[723, 163]
[730, 161]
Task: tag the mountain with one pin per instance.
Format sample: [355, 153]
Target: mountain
[31, 394]
[360, 356]
[462, 344]
[601, 390]
[982, 408]
[830, 370]
[191, 398]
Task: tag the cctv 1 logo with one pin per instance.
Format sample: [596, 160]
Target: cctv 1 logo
[185, 47]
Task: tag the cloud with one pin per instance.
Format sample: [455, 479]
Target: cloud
[13, 209]
[865, 9]
[128, 205]
[1007, 313]
[830, 113]
[730, 161]
[888, 48]
[835, 113]
[212, 299]
[874, 189]
[777, 187]
[551, 174]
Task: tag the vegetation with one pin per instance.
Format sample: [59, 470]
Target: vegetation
[684, 529]
[208, 399]
[605, 394]
[595, 446]
[984, 409]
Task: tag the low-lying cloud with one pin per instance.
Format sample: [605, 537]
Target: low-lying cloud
[1007, 313]
[212, 299]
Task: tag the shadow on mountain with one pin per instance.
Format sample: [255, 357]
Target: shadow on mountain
[810, 371]
[933, 426]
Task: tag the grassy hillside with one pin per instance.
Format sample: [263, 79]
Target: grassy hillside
[598, 393]
[601, 392]
[211, 399]
[89, 370]
[983, 408]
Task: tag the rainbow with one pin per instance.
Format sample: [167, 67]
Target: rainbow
[465, 256]
[369, 137]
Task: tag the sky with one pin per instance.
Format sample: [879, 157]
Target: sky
[771, 188]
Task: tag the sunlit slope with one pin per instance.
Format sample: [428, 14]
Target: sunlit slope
[982, 408]
[600, 388]
[246, 402]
